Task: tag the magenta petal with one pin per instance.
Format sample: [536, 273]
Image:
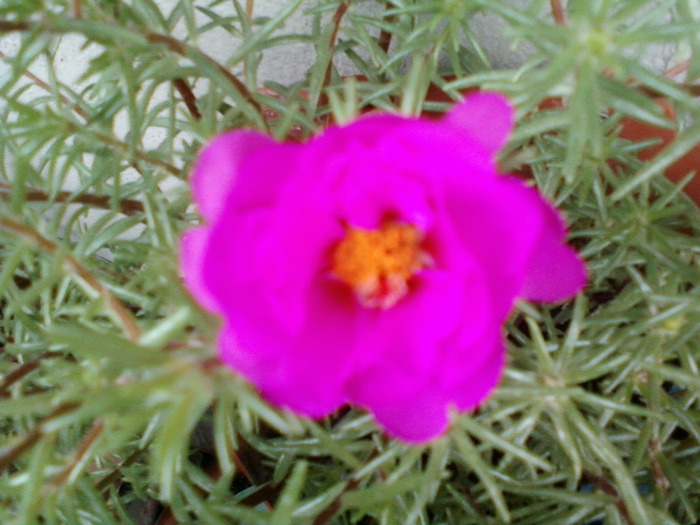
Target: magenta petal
[443, 310]
[366, 193]
[485, 117]
[555, 271]
[433, 309]
[415, 419]
[384, 383]
[367, 130]
[305, 371]
[498, 220]
[194, 244]
[255, 357]
[291, 258]
[218, 169]
[476, 386]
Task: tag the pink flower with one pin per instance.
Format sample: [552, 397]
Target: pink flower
[374, 264]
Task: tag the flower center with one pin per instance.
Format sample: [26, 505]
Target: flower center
[377, 264]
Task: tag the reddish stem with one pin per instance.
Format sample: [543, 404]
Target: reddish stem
[187, 97]
[384, 40]
[22, 370]
[679, 68]
[180, 48]
[126, 206]
[35, 434]
[83, 448]
[558, 12]
[77, 8]
[337, 18]
[605, 485]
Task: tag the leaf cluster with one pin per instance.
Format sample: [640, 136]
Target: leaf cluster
[113, 408]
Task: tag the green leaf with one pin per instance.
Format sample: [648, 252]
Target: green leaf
[104, 346]
[682, 144]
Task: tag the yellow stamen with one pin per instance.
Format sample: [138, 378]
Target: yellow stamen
[377, 264]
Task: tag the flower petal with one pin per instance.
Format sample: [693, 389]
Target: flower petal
[305, 371]
[230, 261]
[367, 193]
[555, 271]
[499, 224]
[279, 249]
[220, 167]
[367, 129]
[194, 244]
[414, 420]
[291, 255]
[485, 117]
[394, 361]
[477, 385]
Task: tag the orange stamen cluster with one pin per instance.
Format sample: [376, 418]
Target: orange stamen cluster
[377, 264]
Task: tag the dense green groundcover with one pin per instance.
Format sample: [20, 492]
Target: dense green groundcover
[113, 408]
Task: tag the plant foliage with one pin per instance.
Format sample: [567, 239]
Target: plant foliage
[113, 408]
